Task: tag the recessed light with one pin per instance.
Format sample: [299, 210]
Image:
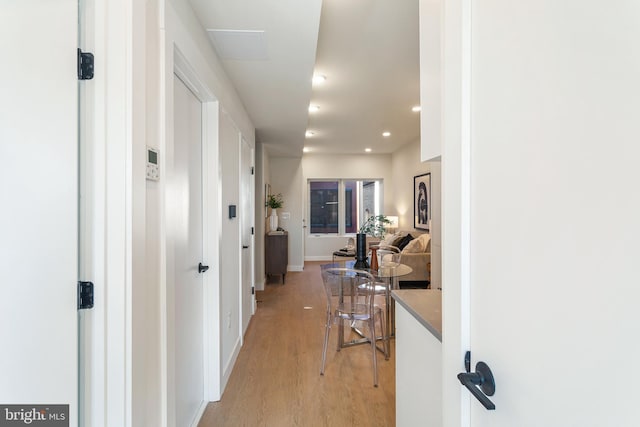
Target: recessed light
[309, 134]
[386, 134]
[416, 109]
[314, 108]
[368, 150]
[318, 79]
[306, 149]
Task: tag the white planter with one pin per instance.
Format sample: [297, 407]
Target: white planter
[273, 220]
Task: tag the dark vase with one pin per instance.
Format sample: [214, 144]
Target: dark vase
[361, 251]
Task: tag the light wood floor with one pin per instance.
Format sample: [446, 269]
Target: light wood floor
[276, 381]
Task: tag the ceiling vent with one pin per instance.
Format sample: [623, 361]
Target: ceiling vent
[242, 45]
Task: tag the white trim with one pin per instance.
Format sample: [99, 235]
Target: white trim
[295, 267]
[211, 251]
[239, 230]
[254, 304]
[111, 377]
[199, 414]
[165, 98]
[228, 367]
[176, 63]
[318, 258]
[456, 207]
[167, 372]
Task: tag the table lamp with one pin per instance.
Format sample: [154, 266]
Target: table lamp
[394, 223]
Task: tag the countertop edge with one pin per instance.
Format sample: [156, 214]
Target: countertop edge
[407, 299]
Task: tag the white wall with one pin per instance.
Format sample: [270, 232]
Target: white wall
[396, 170]
[355, 166]
[430, 78]
[158, 28]
[185, 34]
[405, 164]
[229, 266]
[287, 178]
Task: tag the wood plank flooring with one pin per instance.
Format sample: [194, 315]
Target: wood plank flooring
[276, 381]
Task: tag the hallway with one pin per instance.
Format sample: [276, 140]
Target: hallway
[276, 380]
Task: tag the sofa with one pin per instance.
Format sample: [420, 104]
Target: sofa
[414, 251]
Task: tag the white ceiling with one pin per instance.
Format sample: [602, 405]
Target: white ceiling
[367, 49]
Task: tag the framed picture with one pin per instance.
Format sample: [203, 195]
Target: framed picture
[422, 201]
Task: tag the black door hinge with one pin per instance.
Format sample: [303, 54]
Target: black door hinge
[85, 65]
[252, 231]
[85, 295]
[253, 290]
[251, 170]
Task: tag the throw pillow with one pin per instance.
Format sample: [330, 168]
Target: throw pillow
[413, 247]
[399, 239]
[425, 239]
[417, 245]
[389, 239]
[404, 242]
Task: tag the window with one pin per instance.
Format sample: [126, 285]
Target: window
[340, 206]
[323, 197]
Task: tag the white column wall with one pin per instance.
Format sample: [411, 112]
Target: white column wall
[158, 27]
[262, 178]
[287, 178]
[405, 164]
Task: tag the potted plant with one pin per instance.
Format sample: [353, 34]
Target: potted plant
[274, 201]
[373, 226]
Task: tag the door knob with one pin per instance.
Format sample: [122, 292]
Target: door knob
[202, 268]
[483, 378]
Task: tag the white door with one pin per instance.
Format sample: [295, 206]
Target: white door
[247, 227]
[39, 207]
[185, 202]
[553, 203]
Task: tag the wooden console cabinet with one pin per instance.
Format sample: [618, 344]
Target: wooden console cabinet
[276, 254]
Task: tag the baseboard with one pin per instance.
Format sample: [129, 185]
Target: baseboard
[199, 414]
[295, 267]
[318, 258]
[228, 367]
[260, 285]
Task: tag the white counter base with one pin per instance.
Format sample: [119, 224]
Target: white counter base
[418, 373]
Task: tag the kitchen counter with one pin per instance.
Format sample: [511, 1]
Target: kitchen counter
[425, 305]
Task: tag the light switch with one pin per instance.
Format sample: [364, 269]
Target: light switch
[285, 215]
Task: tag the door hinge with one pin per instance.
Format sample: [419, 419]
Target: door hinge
[251, 170]
[85, 65]
[253, 290]
[252, 231]
[85, 295]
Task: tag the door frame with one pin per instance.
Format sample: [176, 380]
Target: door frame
[107, 232]
[177, 63]
[244, 144]
[456, 207]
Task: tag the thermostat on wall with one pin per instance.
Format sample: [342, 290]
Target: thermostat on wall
[153, 169]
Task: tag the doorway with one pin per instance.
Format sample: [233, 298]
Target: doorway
[185, 264]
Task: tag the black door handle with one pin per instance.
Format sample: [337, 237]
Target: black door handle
[245, 247]
[202, 268]
[483, 378]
